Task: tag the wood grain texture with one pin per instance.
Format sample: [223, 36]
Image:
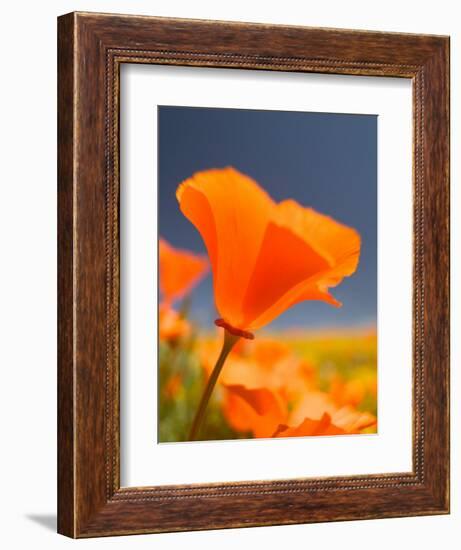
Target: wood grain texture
[91, 49]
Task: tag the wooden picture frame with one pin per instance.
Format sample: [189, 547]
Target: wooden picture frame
[91, 48]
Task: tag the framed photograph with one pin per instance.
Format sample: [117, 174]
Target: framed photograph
[253, 258]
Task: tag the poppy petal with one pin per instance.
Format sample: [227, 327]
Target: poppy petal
[179, 269]
[257, 410]
[303, 254]
[299, 293]
[309, 427]
[352, 420]
[231, 212]
[284, 261]
[336, 242]
[313, 405]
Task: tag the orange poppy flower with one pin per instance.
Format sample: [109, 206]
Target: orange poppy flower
[265, 256]
[180, 270]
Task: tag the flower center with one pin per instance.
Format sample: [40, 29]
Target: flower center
[233, 330]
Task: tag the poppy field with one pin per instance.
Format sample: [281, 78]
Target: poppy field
[310, 384]
[242, 378]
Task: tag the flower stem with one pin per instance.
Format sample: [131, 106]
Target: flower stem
[229, 342]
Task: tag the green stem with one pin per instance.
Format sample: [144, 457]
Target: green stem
[229, 342]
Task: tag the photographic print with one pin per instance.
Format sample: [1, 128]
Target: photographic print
[267, 318]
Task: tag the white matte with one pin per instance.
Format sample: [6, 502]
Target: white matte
[143, 461]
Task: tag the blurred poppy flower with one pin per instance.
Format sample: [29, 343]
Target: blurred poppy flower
[347, 392]
[172, 326]
[180, 270]
[314, 405]
[172, 386]
[265, 256]
[310, 427]
[258, 411]
[266, 414]
[264, 362]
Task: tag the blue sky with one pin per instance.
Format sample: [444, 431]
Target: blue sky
[327, 161]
